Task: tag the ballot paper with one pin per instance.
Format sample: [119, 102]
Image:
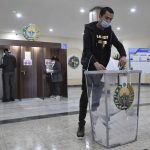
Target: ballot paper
[112, 65]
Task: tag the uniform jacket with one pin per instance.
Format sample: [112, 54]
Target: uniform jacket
[97, 45]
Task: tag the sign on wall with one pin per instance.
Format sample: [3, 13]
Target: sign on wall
[31, 32]
[73, 62]
[48, 61]
[139, 59]
[27, 60]
[63, 46]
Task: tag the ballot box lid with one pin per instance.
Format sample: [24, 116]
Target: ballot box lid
[112, 72]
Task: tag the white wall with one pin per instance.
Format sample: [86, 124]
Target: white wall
[137, 43]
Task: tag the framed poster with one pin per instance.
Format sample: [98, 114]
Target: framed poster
[27, 62]
[139, 59]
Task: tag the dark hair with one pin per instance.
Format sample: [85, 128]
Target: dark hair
[5, 50]
[54, 58]
[104, 9]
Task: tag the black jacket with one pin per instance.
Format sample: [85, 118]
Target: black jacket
[8, 63]
[97, 45]
[56, 75]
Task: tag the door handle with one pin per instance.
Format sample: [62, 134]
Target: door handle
[23, 72]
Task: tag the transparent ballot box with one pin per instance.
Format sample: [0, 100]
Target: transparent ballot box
[114, 105]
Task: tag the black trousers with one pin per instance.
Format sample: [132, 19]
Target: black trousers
[8, 85]
[56, 88]
[95, 86]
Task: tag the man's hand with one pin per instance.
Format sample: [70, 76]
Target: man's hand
[99, 66]
[122, 62]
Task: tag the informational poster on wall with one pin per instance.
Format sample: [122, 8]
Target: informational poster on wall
[139, 59]
[27, 61]
[27, 55]
[48, 62]
[49, 65]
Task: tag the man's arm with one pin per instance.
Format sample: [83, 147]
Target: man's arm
[57, 67]
[1, 65]
[15, 62]
[99, 66]
[121, 50]
[87, 55]
[4, 62]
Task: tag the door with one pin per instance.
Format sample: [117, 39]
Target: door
[27, 79]
[31, 72]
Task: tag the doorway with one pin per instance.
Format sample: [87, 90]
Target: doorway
[31, 64]
[29, 71]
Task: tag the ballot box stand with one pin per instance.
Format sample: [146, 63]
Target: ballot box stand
[114, 105]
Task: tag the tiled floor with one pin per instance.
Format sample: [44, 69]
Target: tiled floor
[59, 132]
[30, 108]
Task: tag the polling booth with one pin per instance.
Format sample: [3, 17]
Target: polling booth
[114, 105]
[31, 80]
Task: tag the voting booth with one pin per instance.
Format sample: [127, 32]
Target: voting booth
[114, 105]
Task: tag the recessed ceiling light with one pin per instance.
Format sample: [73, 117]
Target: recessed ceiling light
[18, 15]
[133, 10]
[82, 10]
[118, 28]
[13, 31]
[51, 30]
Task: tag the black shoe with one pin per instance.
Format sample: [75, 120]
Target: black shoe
[5, 100]
[80, 132]
[11, 99]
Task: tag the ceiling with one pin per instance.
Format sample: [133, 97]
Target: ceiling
[66, 20]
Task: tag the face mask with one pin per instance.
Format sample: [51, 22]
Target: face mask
[104, 24]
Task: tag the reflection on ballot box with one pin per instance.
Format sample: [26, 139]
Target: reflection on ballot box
[114, 106]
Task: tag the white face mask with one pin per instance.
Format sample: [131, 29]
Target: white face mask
[104, 24]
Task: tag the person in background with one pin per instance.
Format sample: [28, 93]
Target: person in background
[8, 66]
[98, 39]
[56, 77]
